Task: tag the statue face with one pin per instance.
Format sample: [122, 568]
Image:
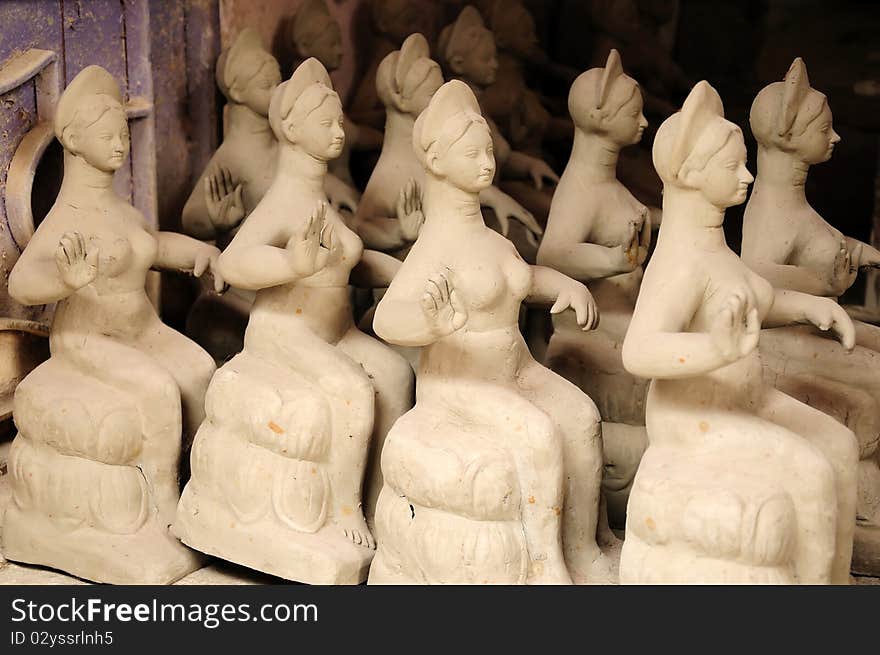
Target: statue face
[423, 93]
[522, 37]
[480, 65]
[257, 91]
[105, 143]
[321, 134]
[627, 125]
[327, 48]
[724, 181]
[469, 164]
[817, 142]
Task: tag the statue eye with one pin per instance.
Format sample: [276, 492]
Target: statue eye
[471, 153]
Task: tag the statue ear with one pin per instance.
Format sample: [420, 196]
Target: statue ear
[456, 64]
[688, 176]
[235, 94]
[399, 101]
[290, 131]
[433, 163]
[71, 141]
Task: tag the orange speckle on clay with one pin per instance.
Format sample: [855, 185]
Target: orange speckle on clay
[517, 428]
[704, 427]
[314, 470]
[346, 510]
[681, 360]
[650, 523]
[277, 429]
[299, 310]
[531, 500]
[557, 511]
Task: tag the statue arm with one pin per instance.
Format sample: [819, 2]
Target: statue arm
[35, 279]
[790, 307]
[375, 270]
[564, 249]
[380, 233]
[656, 344]
[400, 317]
[178, 252]
[252, 261]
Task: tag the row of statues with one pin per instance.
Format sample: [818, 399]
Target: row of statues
[381, 401]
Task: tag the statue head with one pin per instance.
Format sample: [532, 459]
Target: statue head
[90, 120]
[315, 33]
[408, 78]
[397, 19]
[466, 49]
[513, 27]
[453, 141]
[608, 102]
[246, 73]
[305, 112]
[793, 117]
[697, 149]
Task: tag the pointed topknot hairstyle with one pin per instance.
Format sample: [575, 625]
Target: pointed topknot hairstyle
[312, 19]
[462, 36]
[403, 71]
[89, 95]
[688, 139]
[600, 92]
[241, 61]
[299, 96]
[785, 109]
[452, 110]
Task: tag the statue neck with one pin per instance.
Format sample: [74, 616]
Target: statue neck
[781, 173]
[245, 121]
[83, 179]
[594, 157]
[398, 128]
[690, 220]
[299, 172]
[447, 203]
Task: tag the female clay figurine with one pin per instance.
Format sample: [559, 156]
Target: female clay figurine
[788, 243]
[313, 32]
[392, 21]
[494, 475]
[599, 233]
[467, 50]
[740, 483]
[279, 462]
[513, 105]
[390, 212]
[94, 467]
[235, 180]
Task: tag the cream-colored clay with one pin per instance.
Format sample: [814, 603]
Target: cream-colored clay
[740, 483]
[279, 462]
[599, 233]
[494, 475]
[102, 423]
[390, 213]
[787, 242]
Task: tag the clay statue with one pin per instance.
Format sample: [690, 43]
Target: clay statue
[599, 234]
[392, 21]
[390, 214]
[102, 423]
[788, 243]
[740, 483]
[235, 180]
[518, 110]
[467, 51]
[313, 32]
[278, 464]
[494, 475]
